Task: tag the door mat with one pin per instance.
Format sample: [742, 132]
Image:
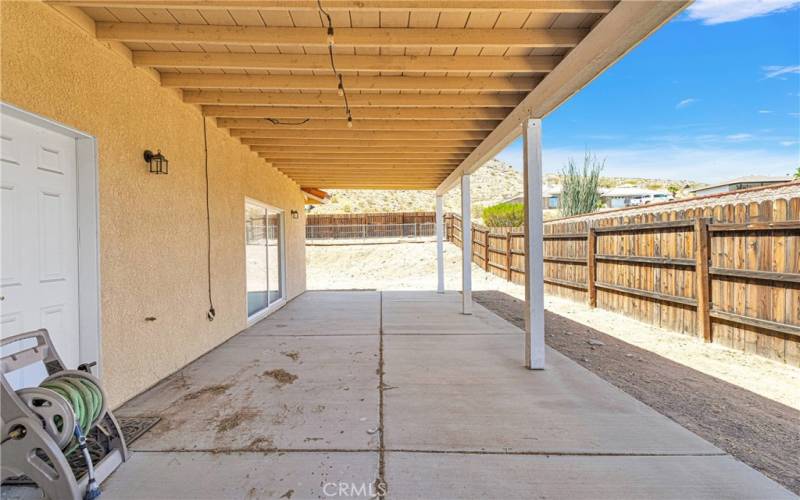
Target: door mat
[132, 429]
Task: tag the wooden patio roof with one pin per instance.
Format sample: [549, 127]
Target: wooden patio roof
[434, 88]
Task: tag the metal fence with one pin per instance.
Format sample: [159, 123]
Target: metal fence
[366, 231]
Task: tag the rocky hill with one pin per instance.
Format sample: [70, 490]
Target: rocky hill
[493, 183]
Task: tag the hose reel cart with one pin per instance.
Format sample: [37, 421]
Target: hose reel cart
[42, 427]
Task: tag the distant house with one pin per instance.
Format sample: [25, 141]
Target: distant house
[738, 183]
[627, 196]
[551, 195]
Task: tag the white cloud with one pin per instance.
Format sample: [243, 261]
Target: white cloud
[726, 11]
[686, 102]
[788, 143]
[775, 71]
[739, 137]
[764, 112]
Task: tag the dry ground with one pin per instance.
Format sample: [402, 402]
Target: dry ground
[744, 404]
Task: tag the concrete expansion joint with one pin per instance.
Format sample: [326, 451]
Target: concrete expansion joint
[383, 450]
[380, 481]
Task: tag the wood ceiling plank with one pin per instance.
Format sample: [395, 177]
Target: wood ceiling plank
[212, 97]
[476, 64]
[556, 6]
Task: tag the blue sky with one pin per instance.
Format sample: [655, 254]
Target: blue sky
[714, 94]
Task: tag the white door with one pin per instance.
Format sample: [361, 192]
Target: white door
[39, 273]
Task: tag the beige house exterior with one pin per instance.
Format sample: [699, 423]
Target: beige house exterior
[152, 229]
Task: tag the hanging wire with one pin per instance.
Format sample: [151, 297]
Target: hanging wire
[212, 313]
[276, 121]
[340, 87]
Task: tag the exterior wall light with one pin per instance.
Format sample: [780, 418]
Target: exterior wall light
[158, 162]
[295, 214]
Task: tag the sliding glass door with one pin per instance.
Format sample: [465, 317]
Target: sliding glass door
[264, 254]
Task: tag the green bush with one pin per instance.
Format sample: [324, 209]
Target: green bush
[504, 215]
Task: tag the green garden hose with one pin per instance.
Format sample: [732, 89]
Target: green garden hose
[85, 398]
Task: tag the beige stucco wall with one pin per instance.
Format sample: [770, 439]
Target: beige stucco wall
[152, 228]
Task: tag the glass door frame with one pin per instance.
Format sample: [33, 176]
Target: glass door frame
[271, 306]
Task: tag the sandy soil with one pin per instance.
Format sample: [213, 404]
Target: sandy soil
[744, 404]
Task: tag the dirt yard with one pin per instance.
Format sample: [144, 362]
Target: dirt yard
[744, 404]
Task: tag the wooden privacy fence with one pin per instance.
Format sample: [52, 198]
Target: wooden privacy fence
[728, 273]
[347, 226]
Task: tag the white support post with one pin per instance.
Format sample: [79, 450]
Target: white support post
[534, 250]
[440, 243]
[466, 247]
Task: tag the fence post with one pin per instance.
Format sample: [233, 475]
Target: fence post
[508, 256]
[591, 267]
[486, 250]
[702, 257]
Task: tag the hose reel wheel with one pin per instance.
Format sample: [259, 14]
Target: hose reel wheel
[53, 410]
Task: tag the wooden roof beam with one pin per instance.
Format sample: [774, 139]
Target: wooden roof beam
[356, 135]
[277, 156]
[348, 37]
[353, 82]
[355, 100]
[359, 124]
[360, 113]
[543, 6]
[473, 64]
[427, 162]
[361, 143]
[312, 149]
[397, 157]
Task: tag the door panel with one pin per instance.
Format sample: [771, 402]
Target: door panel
[39, 285]
[264, 254]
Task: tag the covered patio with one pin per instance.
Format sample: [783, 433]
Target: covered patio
[332, 394]
[341, 394]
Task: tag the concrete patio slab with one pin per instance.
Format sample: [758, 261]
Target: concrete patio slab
[471, 393]
[431, 313]
[323, 313]
[427, 475]
[267, 414]
[172, 476]
[262, 393]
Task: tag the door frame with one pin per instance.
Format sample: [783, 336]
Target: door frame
[271, 308]
[87, 196]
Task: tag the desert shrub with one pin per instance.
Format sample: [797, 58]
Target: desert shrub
[579, 193]
[504, 215]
